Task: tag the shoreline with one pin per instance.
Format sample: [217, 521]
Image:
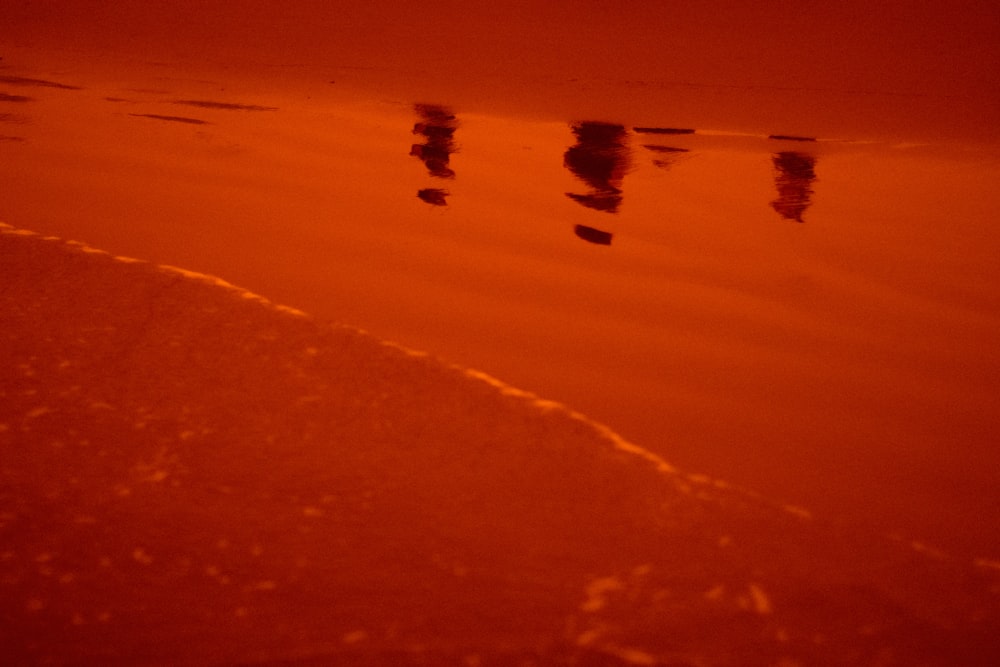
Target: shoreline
[196, 465]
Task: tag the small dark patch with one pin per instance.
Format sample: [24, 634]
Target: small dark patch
[14, 118]
[116, 99]
[435, 196]
[665, 149]
[173, 119]
[790, 137]
[22, 81]
[4, 97]
[4, 137]
[228, 106]
[662, 130]
[593, 235]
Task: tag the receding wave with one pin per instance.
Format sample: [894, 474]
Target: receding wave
[198, 475]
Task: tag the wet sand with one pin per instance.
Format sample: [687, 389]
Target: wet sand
[731, 238]
[197, 476]
[809, 319]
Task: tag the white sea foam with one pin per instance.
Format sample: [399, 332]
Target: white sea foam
[239, 291]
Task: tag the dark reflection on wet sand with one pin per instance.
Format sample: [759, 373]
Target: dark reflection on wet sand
[172, 119]
[227, 106]
[599, 159]
[39, 83]
[4, 97]
[663, 130]
[437, 124]
[794, 175]
[593, 235]
[435, 196]
[790, 137]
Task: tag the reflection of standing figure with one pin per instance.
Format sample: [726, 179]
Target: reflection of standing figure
[437, 125]
[599, 159]
[794, 175]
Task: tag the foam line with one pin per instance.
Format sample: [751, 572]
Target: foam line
[684, 481]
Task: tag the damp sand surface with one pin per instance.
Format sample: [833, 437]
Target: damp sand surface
[727, 235]
[197, 475]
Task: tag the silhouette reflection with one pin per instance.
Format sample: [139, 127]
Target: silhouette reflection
[435, 196]
[593, 235]
[794, 175]
[437, 124]
[599, 159]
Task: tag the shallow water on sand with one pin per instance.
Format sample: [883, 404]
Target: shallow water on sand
[812, 319]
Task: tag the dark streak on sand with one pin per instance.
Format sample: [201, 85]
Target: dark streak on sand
[790, 137]
[174, 119]
[662, 130]
[4, 97]
[4, 137]
[665, 149]
[228, 106]
[13, 118]
[22, 81]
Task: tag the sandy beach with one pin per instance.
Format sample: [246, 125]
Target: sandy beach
[728, 237]
[199, 476]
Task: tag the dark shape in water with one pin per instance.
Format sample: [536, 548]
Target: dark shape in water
[40, 83]
[593, 235]
[437, 125]
[173, 119]
[662, 130]
[435, 196]
[794, 175]
[4, 97]
[790, 137]
[228, 106]
[434, 158]
[599, 159]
